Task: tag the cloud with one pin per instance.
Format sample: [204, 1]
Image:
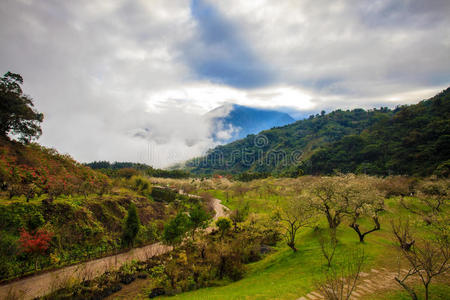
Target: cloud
[356, 49]
[217, 53]
[131, 80]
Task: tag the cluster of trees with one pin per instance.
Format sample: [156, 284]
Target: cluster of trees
[128, 169]
[335, 198]
[195, 219]
[201, 259]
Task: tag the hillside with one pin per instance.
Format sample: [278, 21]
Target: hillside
[272, 150]
[32, 169]
[377, 141]
[46, 195]
[415, 141]
[241, 121]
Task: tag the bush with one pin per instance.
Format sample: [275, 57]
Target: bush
[163, 194]
[141, 185]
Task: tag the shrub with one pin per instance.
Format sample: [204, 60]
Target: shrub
[163, 194]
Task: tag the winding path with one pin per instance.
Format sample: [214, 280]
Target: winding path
[43, 284]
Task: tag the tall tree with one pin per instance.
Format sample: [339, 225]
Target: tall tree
[175, 229]
[131, 227]
[198, 219]
[17, 115]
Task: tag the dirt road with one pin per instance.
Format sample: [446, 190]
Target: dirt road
[43, 284]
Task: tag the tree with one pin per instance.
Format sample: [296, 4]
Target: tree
[240, 213]
[294, 215]
[341, 281]
[131, 227]
[364, 200]
[433, 198]
[330, 196]
[35, 244]
[17, 116]
[175, 229]
[198, 219]
[224, 225]
[328, 244]
[402, 233]
[427, 259]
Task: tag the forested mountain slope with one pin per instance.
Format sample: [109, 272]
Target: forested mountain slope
[414, 141]
[410, 139]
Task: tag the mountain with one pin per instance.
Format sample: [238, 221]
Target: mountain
[232, 121]
[413, 140]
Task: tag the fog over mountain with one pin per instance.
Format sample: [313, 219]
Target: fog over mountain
[130, 80]
[232, 121]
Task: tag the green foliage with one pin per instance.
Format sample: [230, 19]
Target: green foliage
[17, 116]
[224, 224]
[35, 220]
[415, 141]
[175, 229]
[198, 218]
[131, 226]
[141, 185]
[163, 194]
[120, 169]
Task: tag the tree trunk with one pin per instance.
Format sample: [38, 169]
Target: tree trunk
[426, 291]
[292, 246]
[362, 235]
[407, 288]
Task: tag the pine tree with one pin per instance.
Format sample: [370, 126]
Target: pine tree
[131, 227]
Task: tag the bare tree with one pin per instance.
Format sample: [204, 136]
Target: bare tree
[340, 281]
[427, 259]
[328, 244]
[293, 216]
[433, 198]
[401, 231]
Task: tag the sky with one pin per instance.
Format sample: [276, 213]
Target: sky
[124, 80]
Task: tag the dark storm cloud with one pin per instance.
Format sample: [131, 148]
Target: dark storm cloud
[217, 53]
